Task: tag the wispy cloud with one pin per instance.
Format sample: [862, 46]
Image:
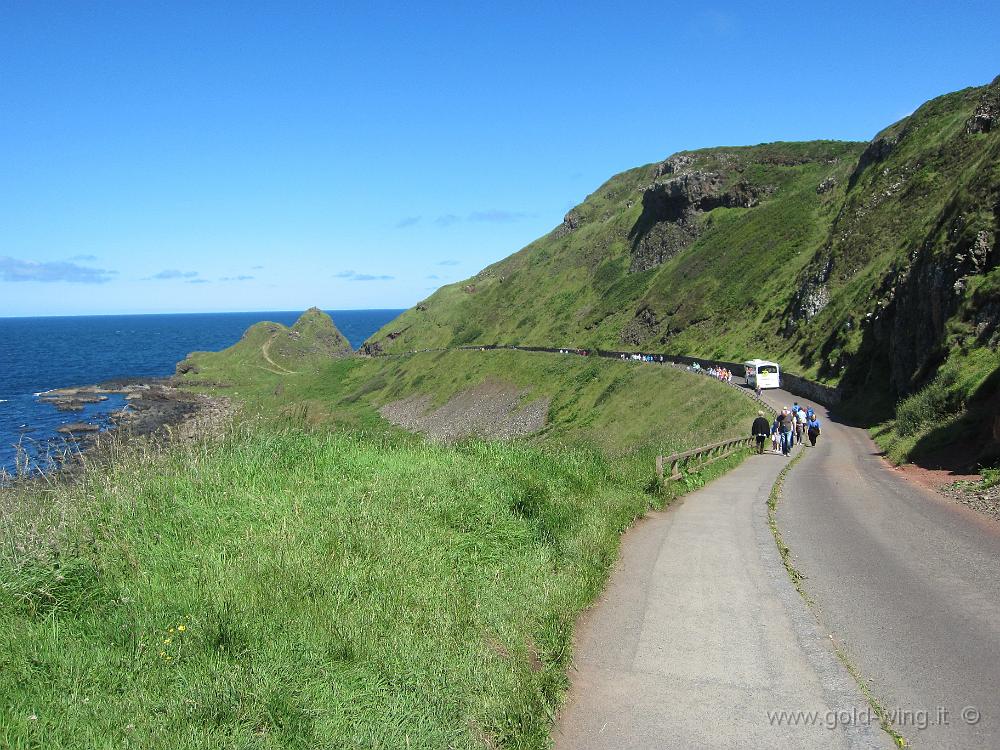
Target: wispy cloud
[84, 258]
[489, 215]
[353, 276]
[407, 221]
[171, 274]
[235, 278]
[256, 268]
[433, 277]
[447, 220]
[13, 269]
[497, 216]
[371, 277]
[449, 262]
[197, 281]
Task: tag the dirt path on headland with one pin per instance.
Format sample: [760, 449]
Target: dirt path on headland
[266, 351]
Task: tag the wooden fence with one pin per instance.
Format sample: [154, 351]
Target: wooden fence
[695, 459]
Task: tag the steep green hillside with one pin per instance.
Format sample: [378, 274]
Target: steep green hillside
[673, 253]
[869, 265]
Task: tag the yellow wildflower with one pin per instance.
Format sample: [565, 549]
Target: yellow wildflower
[167, 640]
[181, 628]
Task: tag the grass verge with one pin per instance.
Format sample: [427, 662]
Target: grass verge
[299, 588]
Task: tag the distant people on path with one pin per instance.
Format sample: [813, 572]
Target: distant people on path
[813, 429]
[800, 425]
[760, 430]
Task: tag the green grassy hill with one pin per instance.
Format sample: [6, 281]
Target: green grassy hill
[869, 265]
[312, 341]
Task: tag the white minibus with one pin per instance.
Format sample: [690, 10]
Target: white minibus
[762, 374]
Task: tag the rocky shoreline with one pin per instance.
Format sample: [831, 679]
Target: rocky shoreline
[154, 408]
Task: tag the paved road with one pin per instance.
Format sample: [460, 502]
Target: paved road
[905, 580]
[700, 633]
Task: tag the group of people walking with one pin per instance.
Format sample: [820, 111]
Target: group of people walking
[791, 425]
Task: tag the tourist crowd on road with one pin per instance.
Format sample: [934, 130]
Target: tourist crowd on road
[719, 373]
[792, 425]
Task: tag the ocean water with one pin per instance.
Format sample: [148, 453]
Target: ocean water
[39, 354]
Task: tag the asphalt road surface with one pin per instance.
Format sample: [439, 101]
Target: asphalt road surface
[906, 581]
[701, 641]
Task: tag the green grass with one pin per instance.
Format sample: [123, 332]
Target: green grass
[336, 590]
[341, 583]
[620, 408]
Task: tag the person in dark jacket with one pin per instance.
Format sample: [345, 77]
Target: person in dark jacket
[813, 429]
[760, 429]
[785, 426]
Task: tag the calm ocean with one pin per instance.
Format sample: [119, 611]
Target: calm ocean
[38, 354]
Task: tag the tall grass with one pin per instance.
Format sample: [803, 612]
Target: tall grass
[293, 588]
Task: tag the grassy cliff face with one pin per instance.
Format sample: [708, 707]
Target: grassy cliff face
[869, 265]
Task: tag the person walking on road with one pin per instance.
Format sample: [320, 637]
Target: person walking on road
[813, 431]
[785, 427]
[800, 425]
[760, 429]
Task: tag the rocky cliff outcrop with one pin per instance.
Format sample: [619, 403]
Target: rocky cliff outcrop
[987, 114]
[671, 206]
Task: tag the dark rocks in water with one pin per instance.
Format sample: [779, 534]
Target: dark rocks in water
[186, 366]
[77, 427]
[66, 405]
[73, 399]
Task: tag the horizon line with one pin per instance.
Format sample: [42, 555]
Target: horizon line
[204, 312]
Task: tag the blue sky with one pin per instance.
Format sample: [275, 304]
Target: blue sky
[181, 156]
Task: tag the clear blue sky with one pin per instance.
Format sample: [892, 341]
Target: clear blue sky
[183, 156]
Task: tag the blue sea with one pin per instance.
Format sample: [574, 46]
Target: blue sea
[39, 354]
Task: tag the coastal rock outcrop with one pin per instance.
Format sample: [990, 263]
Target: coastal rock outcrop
[670, 208]
[987, 114]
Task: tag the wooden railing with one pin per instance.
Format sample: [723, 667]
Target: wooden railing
[697, 458]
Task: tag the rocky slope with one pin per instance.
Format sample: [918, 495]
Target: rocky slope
[869, 265]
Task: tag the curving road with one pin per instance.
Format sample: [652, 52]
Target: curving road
[906, 581]
[701, 641]
[700, 634]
